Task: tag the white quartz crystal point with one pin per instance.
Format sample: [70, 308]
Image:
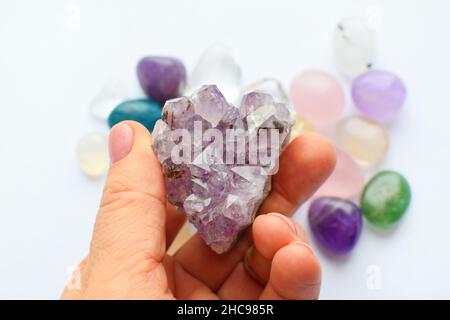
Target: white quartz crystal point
[354, 45]
[216, 66]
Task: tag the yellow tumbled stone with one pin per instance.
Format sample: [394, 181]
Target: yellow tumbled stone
[300, 126]
[366, 141]
[92, 154]
[183, 235]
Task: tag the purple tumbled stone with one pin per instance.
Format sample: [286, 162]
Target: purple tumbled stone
[378, 94]
[335, 223]
[161, 78]
[220, 198]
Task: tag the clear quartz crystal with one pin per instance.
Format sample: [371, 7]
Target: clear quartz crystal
[92, 154]
[113, 92]
[354, 45]
[267, 85]
[216, 66]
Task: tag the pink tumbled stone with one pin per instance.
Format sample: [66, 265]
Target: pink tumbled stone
[318, 97]
[346, 181]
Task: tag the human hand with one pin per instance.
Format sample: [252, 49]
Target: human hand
[135, 225]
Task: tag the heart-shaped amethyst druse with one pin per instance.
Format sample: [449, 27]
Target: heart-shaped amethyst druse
[218, 159]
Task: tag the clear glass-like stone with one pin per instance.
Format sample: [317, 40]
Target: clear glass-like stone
[366, 141]
[216, 66]
[113, 92]
[92, 154]
[354, 45]
[318, 97]
[267, 85]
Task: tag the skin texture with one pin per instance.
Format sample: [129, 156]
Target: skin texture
[135, 225]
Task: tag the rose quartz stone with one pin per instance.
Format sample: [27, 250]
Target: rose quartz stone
[318, 97]
[346, 181]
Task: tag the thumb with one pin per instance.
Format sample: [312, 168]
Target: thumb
[131, 218]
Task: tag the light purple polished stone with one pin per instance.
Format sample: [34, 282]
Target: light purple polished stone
[161, 78]
[378, 94]
[219, 198]
[335, 223]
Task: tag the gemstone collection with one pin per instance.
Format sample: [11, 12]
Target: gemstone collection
[221, 200]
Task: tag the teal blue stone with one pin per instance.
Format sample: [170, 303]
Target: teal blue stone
[144, 111]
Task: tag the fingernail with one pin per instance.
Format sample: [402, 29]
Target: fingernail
[285, 219]
[304, 245]
[120, 141]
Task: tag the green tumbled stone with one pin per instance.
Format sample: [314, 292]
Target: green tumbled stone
[144, 111]
[385, 198]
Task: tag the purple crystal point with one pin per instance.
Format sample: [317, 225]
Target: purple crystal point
[218, 184]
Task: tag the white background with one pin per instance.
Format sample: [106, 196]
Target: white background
[50, 69]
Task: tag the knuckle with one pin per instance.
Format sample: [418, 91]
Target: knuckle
[120, 223]
[122, 184]
[119, 182]
[124, 223]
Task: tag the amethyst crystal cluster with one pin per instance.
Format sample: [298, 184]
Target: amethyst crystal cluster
[215, 179]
